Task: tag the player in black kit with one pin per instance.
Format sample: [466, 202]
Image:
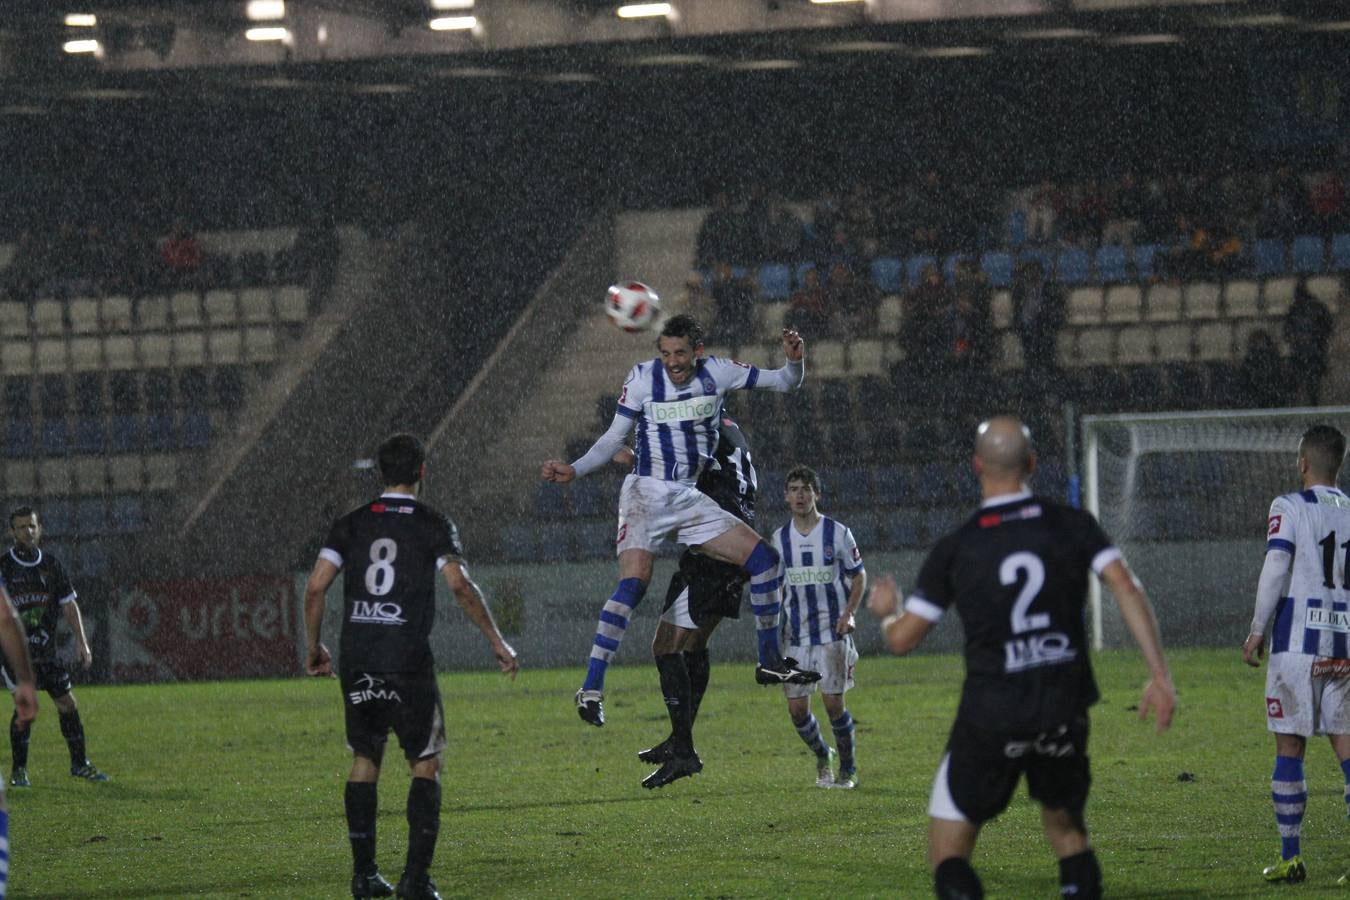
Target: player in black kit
[1017, 573]
[392, 549]
[42, 594]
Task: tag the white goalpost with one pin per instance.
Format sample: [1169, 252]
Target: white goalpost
[1185, 497]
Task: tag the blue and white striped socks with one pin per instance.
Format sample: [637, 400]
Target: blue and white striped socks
[4, 853]
[609, 631]
[809, 732]
[762, 564]
[1290, 793]
[1345, 769]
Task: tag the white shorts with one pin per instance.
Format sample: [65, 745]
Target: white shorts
[652, 511]
[834, 661]
[1299, 703]
[678, 614]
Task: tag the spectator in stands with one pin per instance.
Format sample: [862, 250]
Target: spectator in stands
[1043, 212]
[852, 299]
[697, 303]
[182, 255]
[923, 332]
[734, 297]
[1307, 331]
[781, 232]
[860, 221]
[719, 237]
[926, 212]
[1328, 203]
[808, 308]
[972, 317]
[1260, 377]
[1126, 211]
[1038, 314]
[1284, 212]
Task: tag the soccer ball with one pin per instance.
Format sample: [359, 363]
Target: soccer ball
[632, 306]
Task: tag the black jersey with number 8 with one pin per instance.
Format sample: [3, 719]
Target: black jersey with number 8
[389, 552]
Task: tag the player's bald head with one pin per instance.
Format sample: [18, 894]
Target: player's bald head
[1003, 446]
[1324, 448]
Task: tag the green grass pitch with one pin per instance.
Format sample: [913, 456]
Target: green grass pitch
[234, 789]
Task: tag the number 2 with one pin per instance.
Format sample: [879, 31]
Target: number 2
[1030, 565]
[380, 572]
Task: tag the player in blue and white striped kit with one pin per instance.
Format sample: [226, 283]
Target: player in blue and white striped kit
[1303, 586]
[823, 585]
[675, 404]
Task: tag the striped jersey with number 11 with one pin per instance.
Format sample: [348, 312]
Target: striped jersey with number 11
[1312, 616]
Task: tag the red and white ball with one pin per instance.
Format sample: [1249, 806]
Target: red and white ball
[632, 306]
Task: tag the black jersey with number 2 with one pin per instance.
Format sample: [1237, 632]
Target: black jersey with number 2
[390, 550]
[1017, 573]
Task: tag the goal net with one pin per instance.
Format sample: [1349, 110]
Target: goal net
[1185, 497]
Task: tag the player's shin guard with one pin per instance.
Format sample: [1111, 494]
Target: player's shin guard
[609, 631]
[1290, 793]
[424, 822]
[73, 731]
[360, 801]
[843, 741]
[696, 662]
[18, 742]
[4, 853]
[762, 565]
[676, 691]
[955, 879]
[1080, 877]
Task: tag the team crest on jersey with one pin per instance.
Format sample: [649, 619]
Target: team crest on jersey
[829, 556]
[623, 533]
[1274, 527]
[368, 687]
[1273, 708]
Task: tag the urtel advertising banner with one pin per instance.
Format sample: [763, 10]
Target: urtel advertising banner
[229, 628]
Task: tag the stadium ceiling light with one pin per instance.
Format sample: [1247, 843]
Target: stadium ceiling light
[265, 10]
[644, 10]
[952, 52]
[1139, 40]
[453, 23]
[860, 47]
[671, 59]
[82, 46]
[824, 2]
[1328, 26]
[764, 65]
[81, 20]
[1052, 34]
[268, 33]
[443, 5]
[1254, 21]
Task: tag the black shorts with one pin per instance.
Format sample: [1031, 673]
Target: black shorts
[407, 702]
[715, 587]
[982, 769]
[49, 675]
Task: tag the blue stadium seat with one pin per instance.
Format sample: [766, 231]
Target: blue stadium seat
[595, 540]
[866, 528]
[1112, 265]
[125, 434]
[195, 433]
[949, 265]
[887, 273]
[998, 268]
[90, 438]
[57, 516]
[587, 497]
[895, 485]
[1073, 266]
[847, 489]
[159, 432]
[1017, 228]
[550, 501]
[55, 438]
[127, 515]
[1268, 257]
[915, 265]
[1144, 256]
[18, 438]
[90, 517]
[775, 281]
[1309, 250]
[92, 561]
[901, 527]
[520, 543]
[555, 541]
[1340, 252]
[1044, 257]
[802, 269]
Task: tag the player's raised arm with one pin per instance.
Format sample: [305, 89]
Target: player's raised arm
[902, 631]
[470, 599]
[1135, 608]
[602, 452]
[318, 661]
[794, 348]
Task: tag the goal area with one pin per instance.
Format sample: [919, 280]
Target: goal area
[1185, 497]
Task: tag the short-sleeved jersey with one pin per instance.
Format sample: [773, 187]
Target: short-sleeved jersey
[677, 425]
[390, 551]
[1017, 573]
[1313, 613]
[817, 570]
[38, 587]
[731, 482]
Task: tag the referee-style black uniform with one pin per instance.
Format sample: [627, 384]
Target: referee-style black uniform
[391, 550]
[1017, 574]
